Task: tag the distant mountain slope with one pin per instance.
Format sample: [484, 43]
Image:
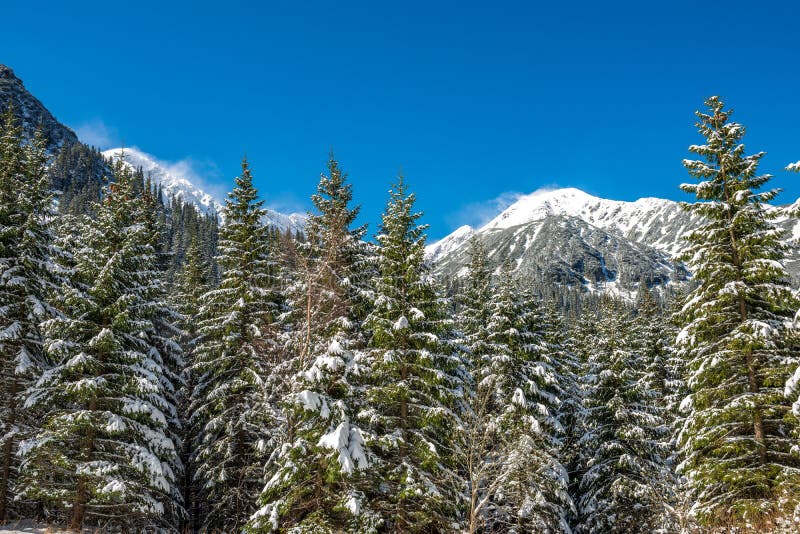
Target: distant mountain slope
[175, 182]
[31, 112]
[172, 182]
[567, 236]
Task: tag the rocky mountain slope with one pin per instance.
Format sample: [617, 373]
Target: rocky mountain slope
[31, 112]
[568, 237]
[79, 170]
[176, 183]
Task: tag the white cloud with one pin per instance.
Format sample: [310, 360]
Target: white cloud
[202, 173]
[98, 134]
[284, 202]
[477, 214]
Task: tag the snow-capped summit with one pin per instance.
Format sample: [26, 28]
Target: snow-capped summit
[176, 180]
[642, 220]
[171, 177]
[568, 236]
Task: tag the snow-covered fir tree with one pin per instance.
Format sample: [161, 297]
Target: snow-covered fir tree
[238, 347]
[478, 432]
[622, 487]
[311, 486]
[653, 336]
[192, 282]
[410, 383]
[567, 365]
[165, 337]
[510, 435]
[26, 278]
[737, 337]
[102, 454]
[525, 392]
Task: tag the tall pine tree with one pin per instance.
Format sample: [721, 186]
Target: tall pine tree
[193, 281]
[525, 390]
[238, 346]
[310, 473]
[26, 278]
[737, 338]
[410, 382]
[102, 454]
[622, 486]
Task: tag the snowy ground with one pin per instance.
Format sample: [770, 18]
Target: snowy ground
[30, 527]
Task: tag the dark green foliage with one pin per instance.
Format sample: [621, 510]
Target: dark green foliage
[237, 350]
[410, 382]
[737, 439]
[102, 452]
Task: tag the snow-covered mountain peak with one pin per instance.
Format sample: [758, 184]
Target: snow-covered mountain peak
[540, 204]
[449, 243]
[170, 176]
[567, 236]
[642, 220]
[177, 180]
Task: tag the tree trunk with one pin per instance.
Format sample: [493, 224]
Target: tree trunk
[473, 512]
[752, 378]
[81, 494]
[79, 506]
[8, 451]
[404, 433]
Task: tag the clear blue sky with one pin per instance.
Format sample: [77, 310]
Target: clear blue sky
[473, 99]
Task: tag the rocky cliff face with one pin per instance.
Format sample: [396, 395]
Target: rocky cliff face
[79, 171]
[31, 112]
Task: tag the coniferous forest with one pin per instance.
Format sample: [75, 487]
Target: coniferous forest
[164, 370]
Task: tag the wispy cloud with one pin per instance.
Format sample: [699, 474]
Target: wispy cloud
[98, 134]
[285, 202]
[477, 214]
[203, 173]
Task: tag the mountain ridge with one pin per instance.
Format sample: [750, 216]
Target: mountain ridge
[567, 236]
[175, 183]
[31, 113]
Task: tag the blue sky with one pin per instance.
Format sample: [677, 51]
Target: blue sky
[476, 101]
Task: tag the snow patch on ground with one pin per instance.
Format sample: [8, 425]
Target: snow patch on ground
[27, 526]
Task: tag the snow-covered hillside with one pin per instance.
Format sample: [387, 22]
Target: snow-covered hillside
[654, 222]
[175, 180]
[578, 236]
[169, 176]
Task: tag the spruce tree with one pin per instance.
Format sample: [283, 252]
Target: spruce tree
[622, 487]
[737, 339]
[26, 279]
[522, 380]
[567, 365]
[165, 337]
[310, 473]
[238, 346]
[193, 281]
[511, 433]
[409, 383]
[102, 453]
[653, 335]
[478, 431]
